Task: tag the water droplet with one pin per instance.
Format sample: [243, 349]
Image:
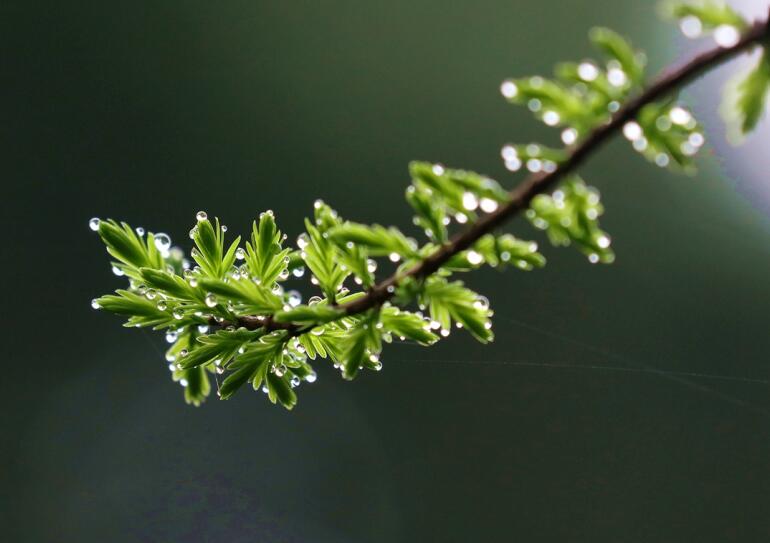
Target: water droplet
[240, 254]
[294, 298]
[679, 115]
[474, 258]
[509, 152]
[203, 328]
[394, 257]
[696, 139]
[438, 169]
[117, 271]
[488, 205]
[211, 300]
[662, 160]
[461, 218]
[613, 106]
[551, 118]
[151, 294]
[183, 382]
[182, 353]
[284, 274]
[390, 289]
[177, 314]
[311, 377]
[470, 201]
[534, 105]
[603, 241]
[277, 289]
[509, 89]
[587, 71]
[295, 381]
[95, 304]
[616, 77]
[94, 223]
[482, 303]
[632, 131]
[569, 136]
[726, 36]
[162, 242]
[691, 26]
[303, 241]
[201, 216]
[444, 332]
[193, 281]
[171, 336]
[193, 231]
[139, 231]
[534, 165]
[298, 272]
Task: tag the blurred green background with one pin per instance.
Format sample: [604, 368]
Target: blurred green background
[150, 111]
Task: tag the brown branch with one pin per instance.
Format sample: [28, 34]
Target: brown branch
[667, 83]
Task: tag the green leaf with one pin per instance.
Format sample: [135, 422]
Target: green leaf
[362, 345]
[267, 260]
[309, 314]
[210, 253]
[570, 215]
[218, 347]
[431, 215]
[452, 301]
[619, 49]
[320, 256]
[710, 14]
[378, 240]
[141, 311]
[407, 325]
[170, 284]
[131, 250]
[745, 99]
[249, 297]
[252, 364]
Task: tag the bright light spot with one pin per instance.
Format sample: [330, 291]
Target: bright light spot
[394, 257]
[679, 116]
[587, 71]
[509, 89]
[569, 136]
[474, 258]
[726, 36]
[691, 26]
[534, 165]
[696, 139]
[509, 152]
[616, 77]
[488, 205]
[470, 202]
[551, 118]
[513, 165]
[632, 131]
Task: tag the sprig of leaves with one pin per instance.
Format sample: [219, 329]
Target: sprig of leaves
[229, 313]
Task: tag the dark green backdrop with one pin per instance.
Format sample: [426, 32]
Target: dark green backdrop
[149, 111]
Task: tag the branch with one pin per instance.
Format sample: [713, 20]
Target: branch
[667, 83]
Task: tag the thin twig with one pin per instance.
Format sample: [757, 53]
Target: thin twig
[520, 197]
